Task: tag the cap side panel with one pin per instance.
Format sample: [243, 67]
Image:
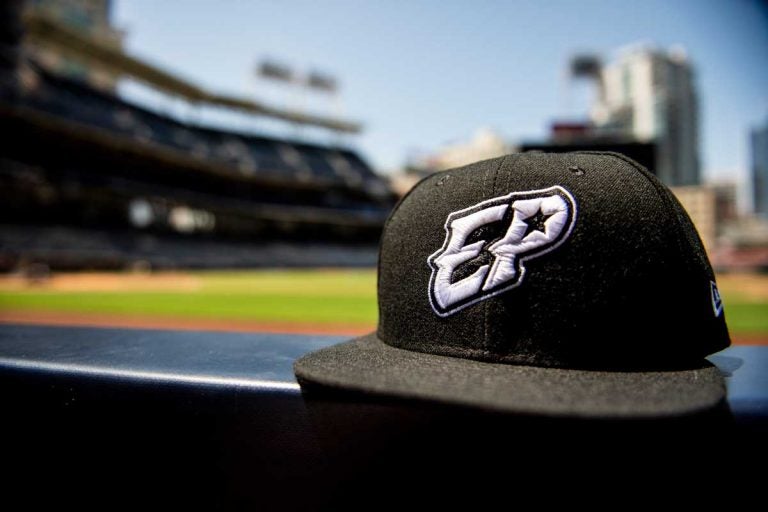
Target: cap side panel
[714, 337]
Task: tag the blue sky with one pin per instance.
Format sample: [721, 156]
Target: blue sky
[423, 73]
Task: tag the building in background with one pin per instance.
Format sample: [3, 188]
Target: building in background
[710, 207]
[645, 107]
[484, 144]
[568, 136]
[759, 146]
[648, 95]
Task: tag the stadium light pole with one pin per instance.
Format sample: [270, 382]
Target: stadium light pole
[299, 84]
[281, 74]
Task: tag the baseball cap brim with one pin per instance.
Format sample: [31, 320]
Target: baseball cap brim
[368, 365]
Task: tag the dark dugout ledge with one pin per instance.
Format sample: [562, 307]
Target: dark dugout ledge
[109, 417]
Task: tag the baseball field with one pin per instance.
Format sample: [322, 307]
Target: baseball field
[294, 301]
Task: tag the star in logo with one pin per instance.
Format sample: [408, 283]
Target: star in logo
[536, 222]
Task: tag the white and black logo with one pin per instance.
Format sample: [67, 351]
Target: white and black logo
[486, 245]
[717, 302]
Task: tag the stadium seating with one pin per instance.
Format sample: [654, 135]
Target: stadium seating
[104, 156]
[68, 248]
[242, 153]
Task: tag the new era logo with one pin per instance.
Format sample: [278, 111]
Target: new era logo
[717, 302]
[486, 245]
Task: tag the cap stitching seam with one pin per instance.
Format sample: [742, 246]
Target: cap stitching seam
[485, 306]
[395, 209]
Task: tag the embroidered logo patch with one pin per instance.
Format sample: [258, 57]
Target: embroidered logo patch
[486, 245]
[717, 302]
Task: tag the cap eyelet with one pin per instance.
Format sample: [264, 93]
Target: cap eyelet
[575, 169]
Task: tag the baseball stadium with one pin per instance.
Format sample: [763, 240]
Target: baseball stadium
[134, 218]
[183, 262]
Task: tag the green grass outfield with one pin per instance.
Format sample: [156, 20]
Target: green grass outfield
[300, 296]
[311, 296]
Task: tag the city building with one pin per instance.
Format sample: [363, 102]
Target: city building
[759, 143]
[483, 145]
[571, 136]
[710, 207]
[648, 95]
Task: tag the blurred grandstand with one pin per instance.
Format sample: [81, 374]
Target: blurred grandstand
[88, 179]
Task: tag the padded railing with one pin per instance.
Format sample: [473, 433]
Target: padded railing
[110, 417]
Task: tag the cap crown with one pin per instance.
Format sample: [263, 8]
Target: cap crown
[580, 260]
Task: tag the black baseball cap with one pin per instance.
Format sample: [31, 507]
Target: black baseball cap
[569, 284]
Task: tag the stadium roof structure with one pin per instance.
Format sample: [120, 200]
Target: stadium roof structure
[46, 31]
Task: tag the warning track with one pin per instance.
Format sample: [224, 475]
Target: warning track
[178, 324]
